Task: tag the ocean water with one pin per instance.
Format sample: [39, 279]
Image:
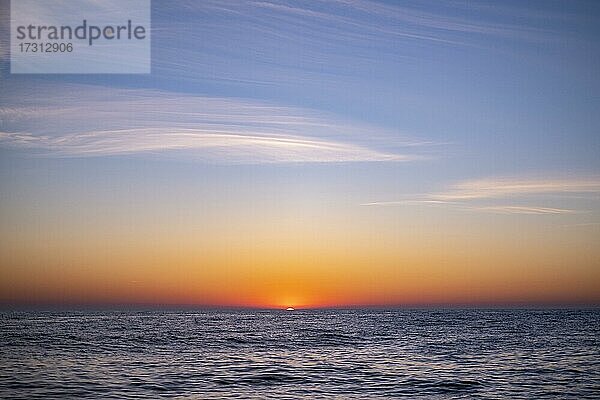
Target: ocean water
[344, 354]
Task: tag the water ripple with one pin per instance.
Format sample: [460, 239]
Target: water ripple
[432, 354]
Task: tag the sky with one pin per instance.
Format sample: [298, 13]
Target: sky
[313, 154]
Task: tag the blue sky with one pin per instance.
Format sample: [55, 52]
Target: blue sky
[460, 90]
[515, 78]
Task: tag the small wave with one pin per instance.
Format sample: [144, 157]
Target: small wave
[261, 379]
[448, 386]
[328, 337]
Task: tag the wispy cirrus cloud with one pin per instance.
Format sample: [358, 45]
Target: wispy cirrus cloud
[80, 120]
[213, 146]
[505, 195]
[297, 44]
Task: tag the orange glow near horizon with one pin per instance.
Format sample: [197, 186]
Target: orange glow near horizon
[315, 258]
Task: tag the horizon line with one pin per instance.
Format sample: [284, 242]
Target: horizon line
[108, 306]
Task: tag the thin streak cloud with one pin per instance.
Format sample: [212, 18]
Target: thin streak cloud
[507, 187]
[469, 195]
[406, 202]
[526, 210]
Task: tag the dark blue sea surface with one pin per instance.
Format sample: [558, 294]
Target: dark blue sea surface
[437, 354]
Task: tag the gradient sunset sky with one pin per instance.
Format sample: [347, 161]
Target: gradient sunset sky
[313, 153]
